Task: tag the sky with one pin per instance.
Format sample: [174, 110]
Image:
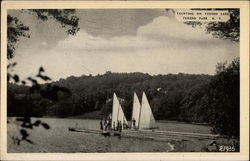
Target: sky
[119, 40]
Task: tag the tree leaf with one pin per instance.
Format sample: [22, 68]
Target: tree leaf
[29, 141]
[37, 123]
[32, 80]
[16, 78]
[24, 134]
[46, 126]
[14, 64]
[41, 69]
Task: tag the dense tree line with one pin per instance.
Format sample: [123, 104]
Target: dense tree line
[90, 93]
[184, 97]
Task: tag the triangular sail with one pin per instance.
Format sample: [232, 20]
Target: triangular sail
[121, 117]
[147, 120]
[136, 111]
[115, 110]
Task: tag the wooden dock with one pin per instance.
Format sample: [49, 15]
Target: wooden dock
[167, 135]
[149, 134]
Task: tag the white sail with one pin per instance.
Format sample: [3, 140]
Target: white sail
[115, 110]
[136, 110]
[147, 120]
[121, 117]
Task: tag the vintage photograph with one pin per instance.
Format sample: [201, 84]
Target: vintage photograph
[123, 80]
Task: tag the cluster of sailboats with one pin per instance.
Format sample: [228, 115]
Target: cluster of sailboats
[142, 116]
[142, 124]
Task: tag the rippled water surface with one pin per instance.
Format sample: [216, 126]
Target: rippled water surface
[59, 139]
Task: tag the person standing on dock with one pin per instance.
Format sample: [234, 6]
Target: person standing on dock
[114, 126]
[105, 124]
[125, 125]
[120, 126]
[133, 123]
[101, 125]
[109, 124]
[117, 126]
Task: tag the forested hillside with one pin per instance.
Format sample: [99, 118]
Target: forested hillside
[167, 94]
[182, 97]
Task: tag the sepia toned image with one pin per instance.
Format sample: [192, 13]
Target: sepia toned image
[123, 80]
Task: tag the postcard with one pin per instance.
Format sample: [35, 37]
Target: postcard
[125, 80]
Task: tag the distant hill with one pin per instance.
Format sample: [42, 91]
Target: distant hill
[167, 94]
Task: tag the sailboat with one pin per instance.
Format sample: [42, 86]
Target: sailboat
[115, 108]
[136, 112]
[142, 114]
[146, 118]
[117, 113]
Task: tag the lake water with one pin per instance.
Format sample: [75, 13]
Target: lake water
[59, 139]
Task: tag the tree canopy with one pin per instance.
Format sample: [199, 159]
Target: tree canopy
[15, 30]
